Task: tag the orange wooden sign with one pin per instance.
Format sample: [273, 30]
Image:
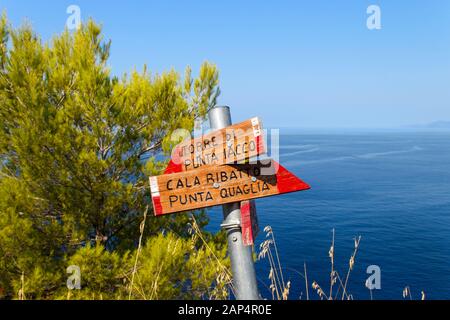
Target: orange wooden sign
[233, 144]
[212, 185]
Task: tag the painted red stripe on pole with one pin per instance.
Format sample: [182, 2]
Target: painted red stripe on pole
[249, 222]
[246, 224]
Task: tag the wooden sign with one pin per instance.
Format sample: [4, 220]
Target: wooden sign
[212, 185]
[249, 222]
[233, 144]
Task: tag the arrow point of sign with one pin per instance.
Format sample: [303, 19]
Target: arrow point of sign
[288, 182]
[173, 167]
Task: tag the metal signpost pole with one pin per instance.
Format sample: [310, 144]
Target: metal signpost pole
[242, 267]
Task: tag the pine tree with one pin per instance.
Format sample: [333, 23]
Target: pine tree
[76, 148]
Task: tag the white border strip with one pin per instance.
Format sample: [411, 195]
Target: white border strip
[256, 127]
[154, 186]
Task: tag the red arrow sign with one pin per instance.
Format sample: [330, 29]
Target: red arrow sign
[212, 185]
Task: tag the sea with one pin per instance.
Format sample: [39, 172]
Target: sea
[391, 188]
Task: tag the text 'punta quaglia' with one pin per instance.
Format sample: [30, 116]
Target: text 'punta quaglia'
[218, 185]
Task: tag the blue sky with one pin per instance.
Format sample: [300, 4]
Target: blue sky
[294, 63]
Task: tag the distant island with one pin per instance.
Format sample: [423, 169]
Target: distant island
[439, 125]
[433, 125]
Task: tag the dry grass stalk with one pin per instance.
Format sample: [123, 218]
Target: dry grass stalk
[277, 284]
[367, 284]
[407, 293]
[306, 281]
[350, 266]
[332, 273]
[22, 287]
[273, 274]
[278, 257]
[286, 290]
[141, 230]
[319, 290]
[154, 292]
[226, 275]
[278, 287]
[341, 285]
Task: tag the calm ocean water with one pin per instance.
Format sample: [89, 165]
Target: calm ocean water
[393, 189]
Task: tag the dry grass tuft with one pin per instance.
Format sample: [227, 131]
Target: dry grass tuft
[280, 290]
[268, 248]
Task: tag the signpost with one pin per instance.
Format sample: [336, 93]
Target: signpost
[214, 169]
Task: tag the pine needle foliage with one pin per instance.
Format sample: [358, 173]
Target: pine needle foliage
[77, 145]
